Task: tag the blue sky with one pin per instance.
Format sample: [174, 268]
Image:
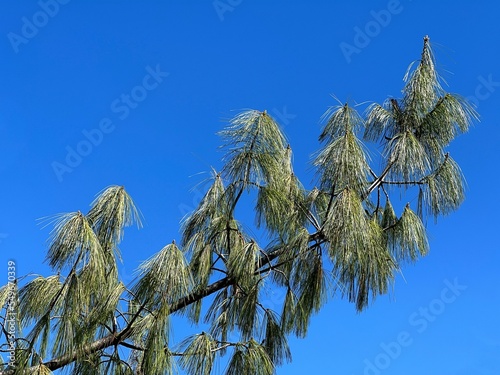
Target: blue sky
[95, 93]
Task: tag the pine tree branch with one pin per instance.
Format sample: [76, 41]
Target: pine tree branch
[378, 181]
[423, 180]
[121, 337]
[420, 182]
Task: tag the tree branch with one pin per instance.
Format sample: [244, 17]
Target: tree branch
[120, 337]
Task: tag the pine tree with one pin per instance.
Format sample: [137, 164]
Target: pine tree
[342, 235]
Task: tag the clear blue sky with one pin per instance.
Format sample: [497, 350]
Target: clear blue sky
[151, 82]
